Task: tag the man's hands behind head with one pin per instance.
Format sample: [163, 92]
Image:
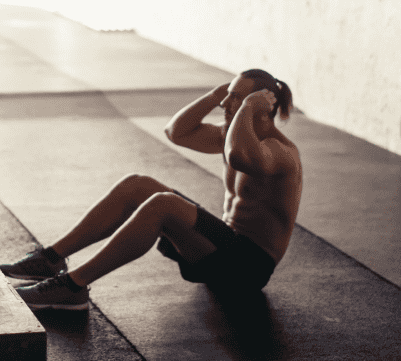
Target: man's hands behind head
[220, 92]
[262, 100]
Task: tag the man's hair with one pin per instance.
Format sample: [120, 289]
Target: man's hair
[263, 80]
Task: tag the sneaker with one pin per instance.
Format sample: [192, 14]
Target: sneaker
[34, 267]
[54, 293]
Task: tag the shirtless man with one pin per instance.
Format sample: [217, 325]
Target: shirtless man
[263, 182]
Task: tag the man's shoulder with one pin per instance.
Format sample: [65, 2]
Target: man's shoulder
[287, 153]
[294, 161]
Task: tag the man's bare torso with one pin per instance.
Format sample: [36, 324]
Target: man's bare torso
[264, 209]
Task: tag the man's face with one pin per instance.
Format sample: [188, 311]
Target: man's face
[238, 90]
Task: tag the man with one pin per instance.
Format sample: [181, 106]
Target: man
[263, 182]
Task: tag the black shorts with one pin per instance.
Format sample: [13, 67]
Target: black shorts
[237, 262]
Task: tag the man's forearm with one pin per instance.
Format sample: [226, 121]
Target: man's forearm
[189, 117]
[241, 138]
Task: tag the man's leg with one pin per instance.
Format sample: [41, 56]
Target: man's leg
[161, 212]
[165, 213]
[108, 214]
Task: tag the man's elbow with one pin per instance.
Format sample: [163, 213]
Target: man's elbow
[172, 137]
[236, 162]
[169, 133]
[230, 156]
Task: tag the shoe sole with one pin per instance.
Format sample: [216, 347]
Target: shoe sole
[33, 278]
[81, 307]
[26, 277]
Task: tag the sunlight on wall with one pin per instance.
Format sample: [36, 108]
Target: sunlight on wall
[40, 4]
[98, 15]
[340, 58]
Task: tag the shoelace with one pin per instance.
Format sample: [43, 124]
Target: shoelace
[36, 265]
[37, 249]
[50, 283]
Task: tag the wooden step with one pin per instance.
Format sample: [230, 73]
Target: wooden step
[22, 337]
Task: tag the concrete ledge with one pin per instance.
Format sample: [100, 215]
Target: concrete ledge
[22, 337]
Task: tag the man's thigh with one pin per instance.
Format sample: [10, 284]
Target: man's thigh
[180, 229]
[231, 259]
[135, 189]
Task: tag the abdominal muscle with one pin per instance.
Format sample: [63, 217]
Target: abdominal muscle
[251, 207]
[259, 224]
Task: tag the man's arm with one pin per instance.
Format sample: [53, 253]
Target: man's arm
[246, 153]
[186, 129]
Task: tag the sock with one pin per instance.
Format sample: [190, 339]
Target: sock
[70, 283]
[51, 255]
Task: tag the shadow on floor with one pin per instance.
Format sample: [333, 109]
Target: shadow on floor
[246, 325]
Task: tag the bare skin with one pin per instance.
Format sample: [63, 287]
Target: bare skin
[261, 203]
[135, 212]
[262, 206]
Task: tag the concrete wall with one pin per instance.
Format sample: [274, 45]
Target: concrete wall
[340, 58]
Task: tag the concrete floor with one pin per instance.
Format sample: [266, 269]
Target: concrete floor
[62, 147]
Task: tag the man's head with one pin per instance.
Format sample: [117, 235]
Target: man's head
[253, 80]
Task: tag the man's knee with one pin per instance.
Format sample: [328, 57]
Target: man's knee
[178, 212]
[139, 187]
[165, 200]
[131, 182]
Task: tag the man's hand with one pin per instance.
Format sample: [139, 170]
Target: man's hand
[220, 92]
[262, 100]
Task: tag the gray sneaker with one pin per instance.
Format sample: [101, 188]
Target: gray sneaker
[54, 293]
[34, 267]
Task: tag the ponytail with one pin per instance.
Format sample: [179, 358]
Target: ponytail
[284, 100]
[264, 80]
